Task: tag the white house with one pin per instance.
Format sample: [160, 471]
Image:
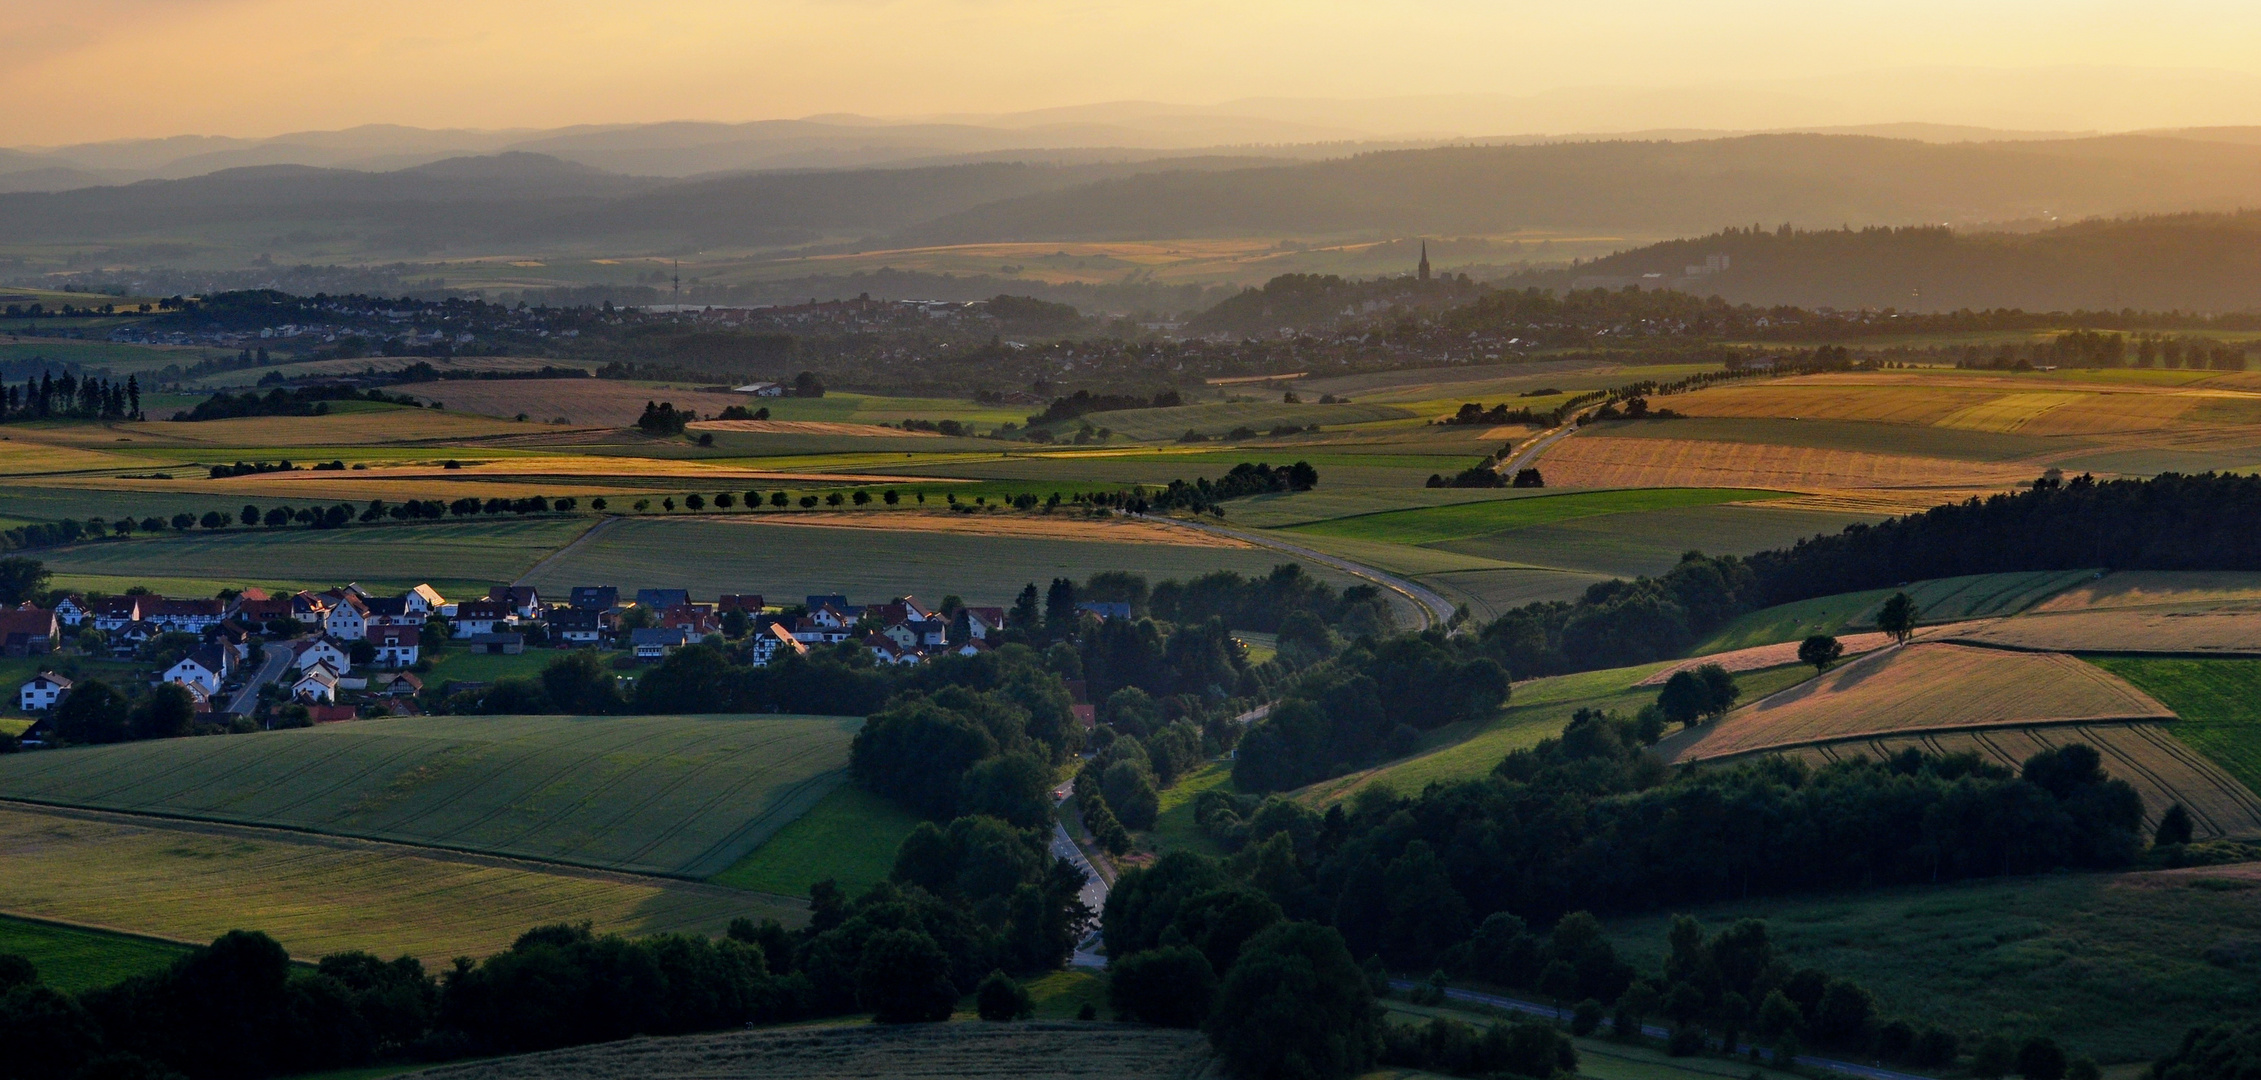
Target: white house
[348, 619]
[183, 616]
[397, 646]
[886, 651]
[424, 601]
[114, 612]
[71, 611]
[476, 617]
[312, 651]
[772, 641]
[577, 626]
[317, 683]
[42, 692]
[205, 668]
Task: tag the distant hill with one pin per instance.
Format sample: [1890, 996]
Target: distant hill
[1657, 187]
[2195, 262]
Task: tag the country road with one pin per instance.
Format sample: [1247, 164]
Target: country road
[1531, 450]
[1435, 610]
[270, 669]
[1656, 1031]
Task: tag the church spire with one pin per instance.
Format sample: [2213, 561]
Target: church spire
[1424, 260]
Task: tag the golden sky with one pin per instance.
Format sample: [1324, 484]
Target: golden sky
[82, 70]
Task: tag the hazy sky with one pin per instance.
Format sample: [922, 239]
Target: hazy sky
[80, 70]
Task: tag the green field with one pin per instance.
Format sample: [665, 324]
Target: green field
[462, 665]
[463, 557]
[191, 882]
[1538, 710]
[710, 556]
[1940, 600]
[675, 795]
[1437, 524]
[72, 959]
[1218, 418]
[849, 836]
[2115, 966]
[2219, 702]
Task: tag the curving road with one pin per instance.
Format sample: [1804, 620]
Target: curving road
[1435, 610]
[1531, 450]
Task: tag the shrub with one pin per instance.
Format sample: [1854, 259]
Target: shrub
[1000, 997]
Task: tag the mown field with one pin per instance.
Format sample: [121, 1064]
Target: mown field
[1036, 1050]
[1924, 686]
[2115, 966]
[71, 958]
[317, 894]
[2227, 632]
[1463, 521]
[687, 796]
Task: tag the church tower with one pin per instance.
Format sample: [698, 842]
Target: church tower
[1424, 272]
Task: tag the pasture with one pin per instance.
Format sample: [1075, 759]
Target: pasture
[192, 882]
[71, 958]
[1919, 689]
[1035, 1050]
[2219, 702]
[2065, 954]
[686, 796]
[850, 836]
[1537, 710]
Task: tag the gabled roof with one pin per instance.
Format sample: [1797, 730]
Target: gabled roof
[662, 598]
[657, 635]
[594, 597]
[36, 622]
[395, 636]
[481, 609]
[431, 595]
[58, 681]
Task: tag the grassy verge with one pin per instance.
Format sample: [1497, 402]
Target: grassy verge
[2216, 700]
[1060, 995]
[849, 836]
[74, 959]
[1174, 827]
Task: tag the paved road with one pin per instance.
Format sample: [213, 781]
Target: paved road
[1435, 609]
[1531, 450]
[1094, 892]
[246, 700]
[1655, 1031]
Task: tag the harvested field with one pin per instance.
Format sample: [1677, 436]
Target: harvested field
[1920, 688]
[193, 882]
[2160, 767]
[1938, 600]
[2216, 700]
[1762, 657]
[373, 425]
[807, 427]
[589, 402]
[1467, 520]
[652, 794]
[1040, 1050]
[1114, 530]
[2217, 632]
[1607, 462]
[2159, 589]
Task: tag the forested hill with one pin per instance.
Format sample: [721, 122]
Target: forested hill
[2186, 262]
[1679, 188]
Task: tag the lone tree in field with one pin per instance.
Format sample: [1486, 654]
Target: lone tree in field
[1897, 617]
[1820, 650]
[2174, 827]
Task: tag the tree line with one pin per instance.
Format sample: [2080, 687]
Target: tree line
[74, 397]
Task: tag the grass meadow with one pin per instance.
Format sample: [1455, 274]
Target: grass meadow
[2115, 966]
[318, 895]
[71, 958]
[457, 555]
[686, 796]
[849, 836]
[2219, 702]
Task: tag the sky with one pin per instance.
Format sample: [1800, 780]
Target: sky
[87, 70]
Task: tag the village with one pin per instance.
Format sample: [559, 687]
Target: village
[345, 653]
